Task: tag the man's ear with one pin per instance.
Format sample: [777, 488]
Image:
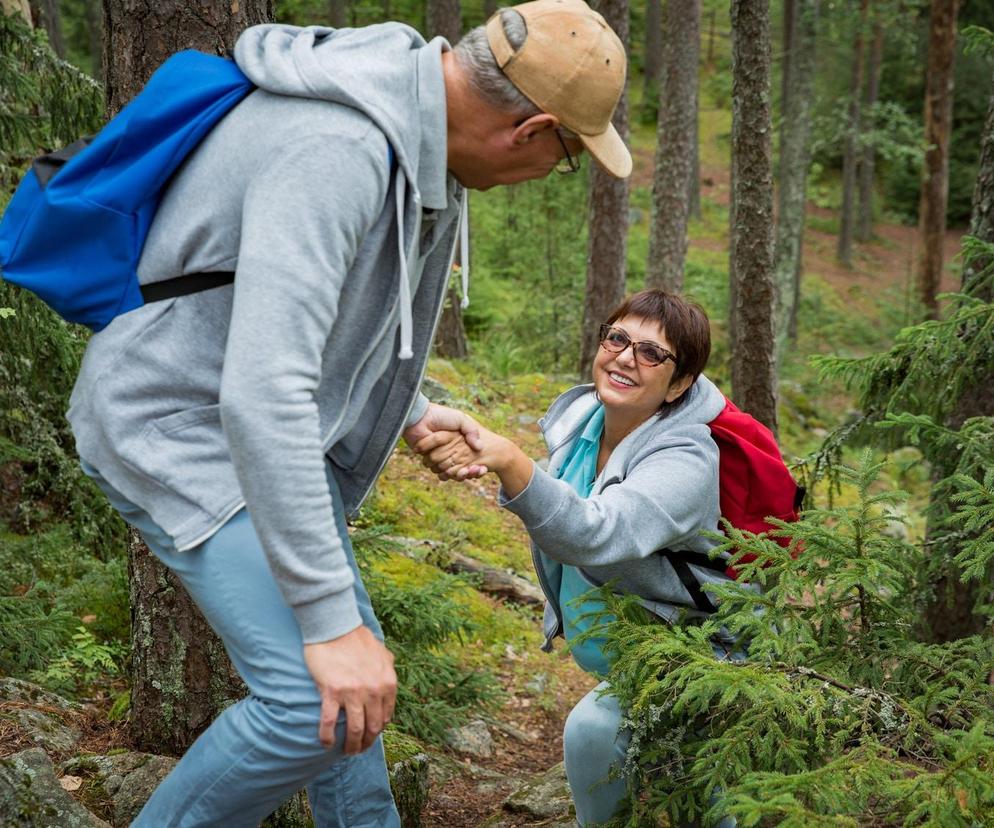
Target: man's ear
[533, 126]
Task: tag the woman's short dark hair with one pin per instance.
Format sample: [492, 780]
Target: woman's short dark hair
[685, 324]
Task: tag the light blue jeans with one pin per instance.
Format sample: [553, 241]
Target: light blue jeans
[594, 745]
[263, 749]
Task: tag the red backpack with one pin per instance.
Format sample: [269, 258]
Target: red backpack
[753, 481]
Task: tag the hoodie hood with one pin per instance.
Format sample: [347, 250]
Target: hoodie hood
[378, 70]
[389, 73]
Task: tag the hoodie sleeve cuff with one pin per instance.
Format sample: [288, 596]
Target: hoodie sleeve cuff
[330, 617]
[538, 502]
[418, 410]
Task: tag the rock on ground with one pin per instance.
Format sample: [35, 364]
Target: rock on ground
[31, 796]
[546, 796]
[473, 738]
[123, 782]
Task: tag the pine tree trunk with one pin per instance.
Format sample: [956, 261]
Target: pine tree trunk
[46, 15]
[935, 172]
[18, 7]
[850, 159]
[652, 61]
[795, 158]
[338, 14]
[95, 35]
[754, 374]
[181, 676]
[674, 147]
[141, 34]
[444, 17]
[607, 239]
[864, 224]
[949, 615]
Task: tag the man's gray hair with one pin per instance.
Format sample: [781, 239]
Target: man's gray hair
[474, 55]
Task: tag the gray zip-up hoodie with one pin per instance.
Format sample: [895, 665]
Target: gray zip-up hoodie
[326, 191]
[641, 526]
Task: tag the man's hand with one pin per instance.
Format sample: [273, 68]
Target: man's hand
[354, 673]
[442, 418]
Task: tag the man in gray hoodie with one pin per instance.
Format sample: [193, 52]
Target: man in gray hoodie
[237, 426]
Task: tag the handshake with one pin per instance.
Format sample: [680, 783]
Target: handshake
[455, 447]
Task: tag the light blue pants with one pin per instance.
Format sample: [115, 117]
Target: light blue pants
[593, 745]
[263, 749]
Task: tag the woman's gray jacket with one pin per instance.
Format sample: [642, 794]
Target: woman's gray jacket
[641, 526]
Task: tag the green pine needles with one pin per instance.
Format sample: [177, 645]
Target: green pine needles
[839, 714]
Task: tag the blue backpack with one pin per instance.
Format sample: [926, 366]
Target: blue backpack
[73, 232]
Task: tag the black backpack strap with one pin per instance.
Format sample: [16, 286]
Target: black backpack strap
[46, 166]
[183, 285]
[680, 562]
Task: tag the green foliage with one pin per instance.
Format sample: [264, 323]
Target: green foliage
[81, 665]
[48, 582]
[422, 625]
[44, 102]
[838, 715]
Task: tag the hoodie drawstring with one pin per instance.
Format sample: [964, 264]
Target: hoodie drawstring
[464, 246]
[406, 313]
[406, 317]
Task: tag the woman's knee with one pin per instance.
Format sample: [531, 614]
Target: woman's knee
[592, 731]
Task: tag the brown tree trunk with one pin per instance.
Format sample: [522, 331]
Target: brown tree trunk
[935, 172]
[444, 17]
[95, 35]
[338, 14]
[674, 147]
[18, 7]
[950, 614]
[864, 224]
[850, 158]
[795, 157]
[46, 15]
[181, 677]
[754, 373]
[652, 61]
[607, 239]
[140, 35]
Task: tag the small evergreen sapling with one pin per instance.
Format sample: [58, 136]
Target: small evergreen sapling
[839, 715]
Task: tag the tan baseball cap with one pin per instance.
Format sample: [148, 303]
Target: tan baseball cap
[571, 65]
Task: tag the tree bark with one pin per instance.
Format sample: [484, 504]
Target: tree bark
[754, 373]
[935, 172]
[140, 35]
[18, 7]
[338, 14]
[795, 158]
[850, 158]
[674, 147]
[607, 238]
[950, 614]
[652, 63]
[444, 17]
[46, 15]
[95, 34]
[181, 677]
[864, 224]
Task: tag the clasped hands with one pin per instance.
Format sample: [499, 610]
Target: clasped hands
[454, 446]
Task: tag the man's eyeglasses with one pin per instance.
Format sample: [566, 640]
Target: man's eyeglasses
[568, 163]
[647, 353]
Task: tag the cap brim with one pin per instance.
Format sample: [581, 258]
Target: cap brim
[610, 152]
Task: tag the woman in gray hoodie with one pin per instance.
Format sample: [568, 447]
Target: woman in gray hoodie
[632, 483]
